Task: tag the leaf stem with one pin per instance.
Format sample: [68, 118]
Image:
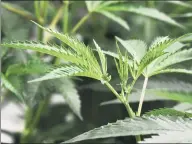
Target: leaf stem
[142, 96]
[77, 26]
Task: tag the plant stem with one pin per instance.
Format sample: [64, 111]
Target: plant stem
[142, 96]
[66, 17]
[122, 99]
[28, 130]
[129, 110]
[114, 91]
[130, 88]
[77, 26]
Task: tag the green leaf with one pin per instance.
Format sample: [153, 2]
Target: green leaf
[166, 112]
[171, 59]
[54, 50]
[136, 48]
[115, 18]
[149, 12]
[71, 96]
[156, 50]
[173, 95]
[180, 3]
[171, 70]
[137, 126]
[83, 54]
[10, 87]
[32, 67]
[59, 72]
[92, 5]
[102, 58]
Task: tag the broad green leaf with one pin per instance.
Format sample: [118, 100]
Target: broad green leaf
[18, 10]
[10, 87]
[136, 48]
[115, 18]
[167, 112]
[71, 96]
[149, 12]
[32, 67]
[137, 126]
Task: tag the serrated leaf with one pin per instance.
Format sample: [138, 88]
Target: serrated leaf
[32, 67]
[102, 58]
[60, 71]
[149, 12]
[54, 50]
[171, 59]
[137, 126]
[71, 96]
[136, 48]
[166, 112]
[115, 18]
[83, 53]
[10, 87]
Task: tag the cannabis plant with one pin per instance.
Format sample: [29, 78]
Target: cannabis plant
[160, 57]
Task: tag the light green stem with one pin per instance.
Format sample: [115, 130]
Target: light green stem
[66, 17]
[142, 96]
[77, 26]
[29, 129]
[122, 99]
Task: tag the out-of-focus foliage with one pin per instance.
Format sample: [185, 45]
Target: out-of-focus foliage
[102, 21]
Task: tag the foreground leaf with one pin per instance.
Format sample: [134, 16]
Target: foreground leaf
[138, 126]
